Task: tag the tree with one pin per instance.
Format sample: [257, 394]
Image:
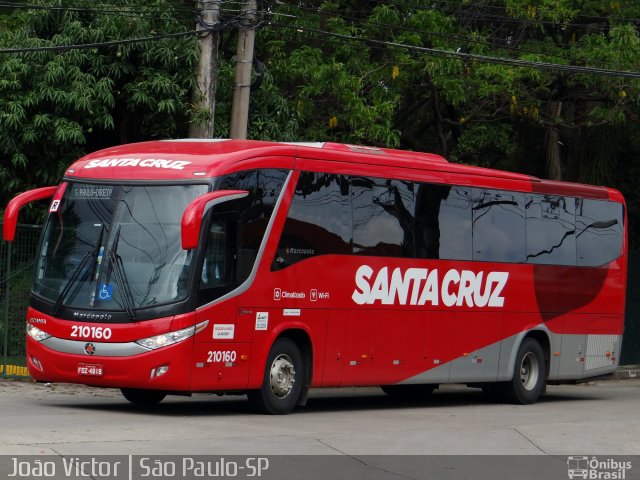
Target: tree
[57, 105]
[339, 62]
[336, 71]
[416, 75]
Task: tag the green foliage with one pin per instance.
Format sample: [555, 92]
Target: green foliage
[336, 70]
[56, 106]
[354, 84]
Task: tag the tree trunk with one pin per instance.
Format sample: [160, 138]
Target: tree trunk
[437, 117]
[553, 160]
[204, 96]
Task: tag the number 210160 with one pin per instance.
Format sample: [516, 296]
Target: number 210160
[217, 356]
[94, 333]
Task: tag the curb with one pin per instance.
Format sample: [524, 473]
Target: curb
[629, 371]
[14, 371]
[622, 373]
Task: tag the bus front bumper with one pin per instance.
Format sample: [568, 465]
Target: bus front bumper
[166, 368]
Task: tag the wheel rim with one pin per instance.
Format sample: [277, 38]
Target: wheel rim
[529, 371]
[282, 376]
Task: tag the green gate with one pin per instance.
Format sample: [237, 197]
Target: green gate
[631, 340]
[16, 269]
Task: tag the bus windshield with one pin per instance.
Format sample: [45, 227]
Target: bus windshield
[115, 247]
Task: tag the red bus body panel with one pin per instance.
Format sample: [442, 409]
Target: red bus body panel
[463, 323]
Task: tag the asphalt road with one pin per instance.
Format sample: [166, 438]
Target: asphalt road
[598, 418]
[590, 430]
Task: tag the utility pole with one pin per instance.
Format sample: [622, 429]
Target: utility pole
[242, 90]
[204, 97]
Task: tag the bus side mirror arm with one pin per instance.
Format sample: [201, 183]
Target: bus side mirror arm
[19, 201]
[193, 214]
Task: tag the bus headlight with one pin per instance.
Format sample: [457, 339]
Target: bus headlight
[171, 338]
[37, 334]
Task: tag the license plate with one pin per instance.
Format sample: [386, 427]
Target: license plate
[90, 370]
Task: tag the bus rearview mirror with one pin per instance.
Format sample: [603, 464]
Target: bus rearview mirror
[19, 201]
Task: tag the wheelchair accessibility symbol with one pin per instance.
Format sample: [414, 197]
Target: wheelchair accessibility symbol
[105, 293]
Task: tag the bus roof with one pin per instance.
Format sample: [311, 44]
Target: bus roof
[192, 159]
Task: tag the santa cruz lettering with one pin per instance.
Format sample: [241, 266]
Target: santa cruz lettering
[421, 286]
[138, 162]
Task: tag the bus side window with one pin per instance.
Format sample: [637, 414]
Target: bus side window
[551, 229]
[254, 212]
[498, 226]
[250, 219]
[599, 231]
[318, 221]
[217, 274]
[443, 222]
[383, 217]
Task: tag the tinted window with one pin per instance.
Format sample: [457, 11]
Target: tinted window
[254, 211]
[599, 231]
[319, 219]
[336, 214]
[443, 222]
[217, 276]
[551, 230]
[383, 222]
[498, 226]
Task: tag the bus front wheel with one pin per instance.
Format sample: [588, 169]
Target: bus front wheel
[529, 373]
[283, 379]
[143, 397]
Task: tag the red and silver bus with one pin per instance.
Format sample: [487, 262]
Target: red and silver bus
[172, 267]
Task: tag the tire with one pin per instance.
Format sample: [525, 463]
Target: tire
[283, 379]
[529, 374]
[421, 391]
[493, 392]
[143, 397]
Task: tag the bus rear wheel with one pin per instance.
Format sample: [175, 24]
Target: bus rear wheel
[283, 379]
[143, 397]
[529, 374]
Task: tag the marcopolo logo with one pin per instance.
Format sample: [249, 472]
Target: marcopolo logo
[421, 286]
[597, 469]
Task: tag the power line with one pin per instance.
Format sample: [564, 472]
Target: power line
[458, 40]
[83, 46]
[450, 37]
[371, 42]
[480, 12]
[113, 9]
[470, 56]
[509, 41]
[104, 10]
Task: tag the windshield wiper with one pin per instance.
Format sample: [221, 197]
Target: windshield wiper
[76, 273]
[71, 281]
[121, 277]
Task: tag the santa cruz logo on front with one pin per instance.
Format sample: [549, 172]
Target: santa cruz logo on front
[138, 162]
[421, 286]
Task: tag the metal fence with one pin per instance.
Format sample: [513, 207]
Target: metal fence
[631, 340]
[16, 270]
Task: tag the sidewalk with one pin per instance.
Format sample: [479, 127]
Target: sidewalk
[623, 372]
[627, 371]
